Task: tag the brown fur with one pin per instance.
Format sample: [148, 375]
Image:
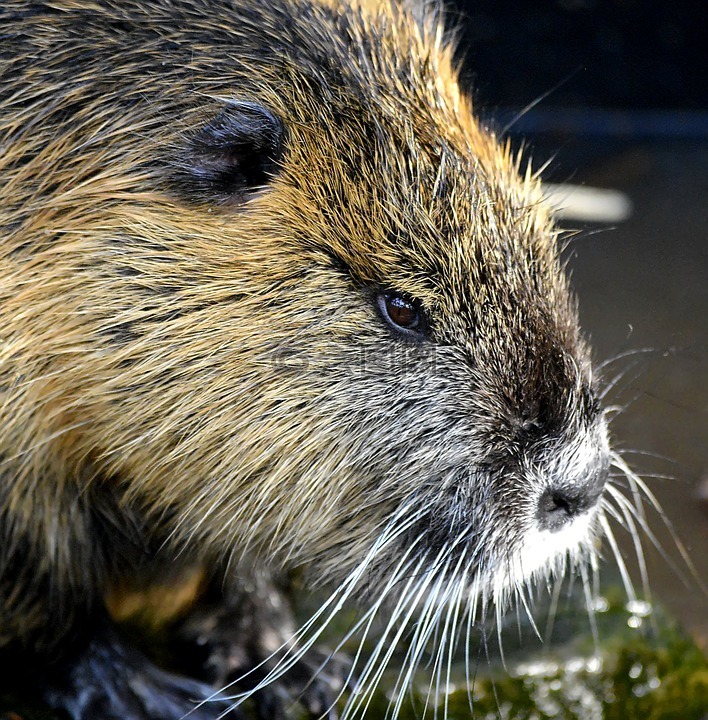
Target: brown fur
[192, 375]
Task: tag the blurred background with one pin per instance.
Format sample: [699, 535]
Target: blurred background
[615, 95]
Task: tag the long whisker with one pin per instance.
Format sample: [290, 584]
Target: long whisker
[632, 477]
[629, 512]
[553, 607]
[588, 593]
[626, 580]
[412, 600]
[303, 640]
[633, 353]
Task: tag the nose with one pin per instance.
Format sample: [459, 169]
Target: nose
[561, 504]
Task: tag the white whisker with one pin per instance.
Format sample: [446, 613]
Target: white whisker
[629, 513]
[589, 605]
[640, 487]
[626, 580]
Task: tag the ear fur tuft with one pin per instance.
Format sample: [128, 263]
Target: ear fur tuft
[236, 153]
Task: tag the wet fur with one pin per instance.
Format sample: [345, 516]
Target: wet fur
[192, 362]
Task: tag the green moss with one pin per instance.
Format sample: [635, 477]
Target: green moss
[655, 672]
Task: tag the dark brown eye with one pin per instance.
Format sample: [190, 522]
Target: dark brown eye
[401, 312]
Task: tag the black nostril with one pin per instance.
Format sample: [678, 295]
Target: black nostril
[555, 509]
[555, 502]
[559, 506]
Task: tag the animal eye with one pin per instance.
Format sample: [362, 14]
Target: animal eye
[401, 312]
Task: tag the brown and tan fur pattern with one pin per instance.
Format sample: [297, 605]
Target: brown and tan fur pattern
[194, 374]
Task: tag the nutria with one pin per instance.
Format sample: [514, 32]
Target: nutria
[271, 299]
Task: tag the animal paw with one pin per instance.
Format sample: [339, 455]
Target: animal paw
[237, 644]
[112, 681]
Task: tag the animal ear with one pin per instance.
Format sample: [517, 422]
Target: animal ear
[236, 153]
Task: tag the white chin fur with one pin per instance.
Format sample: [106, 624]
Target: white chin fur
[541, 552]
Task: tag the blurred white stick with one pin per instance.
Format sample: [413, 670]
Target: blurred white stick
[587, 204]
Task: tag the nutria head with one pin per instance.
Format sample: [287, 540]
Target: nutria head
[307, 311]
